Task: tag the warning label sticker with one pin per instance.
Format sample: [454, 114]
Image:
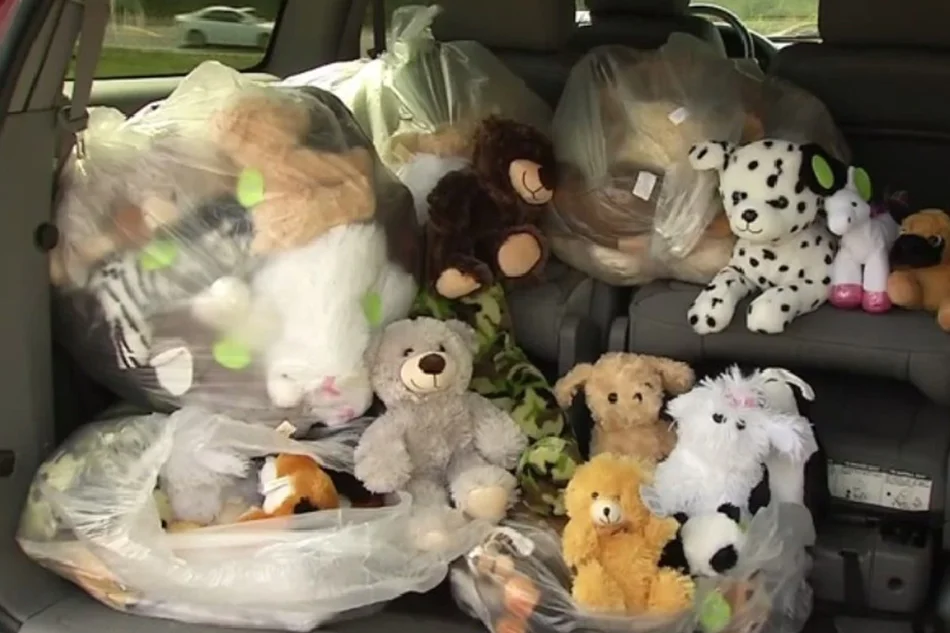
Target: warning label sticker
[863, 483]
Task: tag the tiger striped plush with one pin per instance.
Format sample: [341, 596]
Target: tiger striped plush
[133, 286]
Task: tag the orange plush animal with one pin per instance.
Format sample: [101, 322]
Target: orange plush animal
[293, 484]
[921, 262]
[614, 542]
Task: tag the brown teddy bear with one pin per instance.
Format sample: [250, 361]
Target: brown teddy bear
[625, 395]
[920, 279]
[299, 172]
[614, 543]
[483, 220]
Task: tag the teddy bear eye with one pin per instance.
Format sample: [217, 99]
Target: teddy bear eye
[719, 418]
[740, 424]
[407, 352]
[648, 385]
[442, 348]
[612, 398]
[594, 495]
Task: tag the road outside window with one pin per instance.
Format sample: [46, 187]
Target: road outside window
[148, 38]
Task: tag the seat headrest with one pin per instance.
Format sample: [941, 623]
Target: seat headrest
[528, 25]
[640, 7]
[897, 23]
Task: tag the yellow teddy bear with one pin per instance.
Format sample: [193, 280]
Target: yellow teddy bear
[614, 543]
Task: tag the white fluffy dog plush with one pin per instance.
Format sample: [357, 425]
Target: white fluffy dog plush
[787, 472]
[732, 430]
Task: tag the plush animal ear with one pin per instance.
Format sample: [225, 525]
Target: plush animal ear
[710, 155]
[566, 388]
[860, 181]
[790, 435]
[677, 377]
[465, 332]
[779, 373]
[821, 172]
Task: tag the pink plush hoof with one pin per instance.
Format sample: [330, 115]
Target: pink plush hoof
[876, 302]
[847, 296]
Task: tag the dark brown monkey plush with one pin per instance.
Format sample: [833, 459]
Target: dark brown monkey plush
[483, 220]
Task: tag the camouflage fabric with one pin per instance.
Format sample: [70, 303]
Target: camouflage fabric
[504, 375]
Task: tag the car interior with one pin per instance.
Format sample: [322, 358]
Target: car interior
[882, 381]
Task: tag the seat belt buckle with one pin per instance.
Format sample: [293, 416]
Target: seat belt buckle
[74, 125]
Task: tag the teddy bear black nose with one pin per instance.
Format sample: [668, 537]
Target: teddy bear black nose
[750, 215]
[607, 511]
[432, 364]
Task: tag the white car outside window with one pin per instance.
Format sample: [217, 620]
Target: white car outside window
[224, 26]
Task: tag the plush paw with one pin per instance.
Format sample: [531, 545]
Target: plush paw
[767, 315]
[454, 284]
[904, 290]
[846, 296]
[519, 255]
[943, 317]
[875, 302]
[711, 313]
[489, 503]
[174, 369]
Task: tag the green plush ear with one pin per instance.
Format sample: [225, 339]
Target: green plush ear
[373, 308]
[231, 354]
[158, 254]
[250, 188]
[862, 182]
[824, 175]
[715, 613]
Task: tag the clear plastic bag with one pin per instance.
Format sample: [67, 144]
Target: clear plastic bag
[516, 581]
[94, 517]
[423, 97]
[630, 208]
[208, 245]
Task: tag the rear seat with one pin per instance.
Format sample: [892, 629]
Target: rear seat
[563, 320]
[643, 24]
[883, 70]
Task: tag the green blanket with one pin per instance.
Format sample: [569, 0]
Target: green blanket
[504, 375]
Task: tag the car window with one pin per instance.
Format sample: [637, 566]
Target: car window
[7, 9]
[151, 38]
[777, 19]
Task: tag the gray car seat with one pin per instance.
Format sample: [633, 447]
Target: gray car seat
[882, 382]
[644, 24]
[563, 320]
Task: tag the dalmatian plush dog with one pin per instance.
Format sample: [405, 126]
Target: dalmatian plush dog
[774, 202]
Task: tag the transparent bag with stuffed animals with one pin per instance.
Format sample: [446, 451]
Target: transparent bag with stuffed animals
[516, 581]
[199, 518]
[424, 98]
[629, 207]
[207, 249]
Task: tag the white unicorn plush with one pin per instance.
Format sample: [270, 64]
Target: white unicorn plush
[860, 269]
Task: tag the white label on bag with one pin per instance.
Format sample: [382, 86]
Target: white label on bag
[286, 428]
[643, 188]
[678, 115]
[895, 489]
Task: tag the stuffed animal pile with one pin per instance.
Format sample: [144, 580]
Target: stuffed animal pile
[630, 209]
[228, 279]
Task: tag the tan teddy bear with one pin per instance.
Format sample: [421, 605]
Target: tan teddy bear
[625, 396]
[613, 543]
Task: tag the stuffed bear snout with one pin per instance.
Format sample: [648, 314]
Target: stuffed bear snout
[533, 182]
[606, 512]
[428, 372]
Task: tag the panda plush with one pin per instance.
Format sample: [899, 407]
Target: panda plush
[773, 192]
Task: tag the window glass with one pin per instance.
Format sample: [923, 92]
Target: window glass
[7, 9]
[777, 19]
[149, 38]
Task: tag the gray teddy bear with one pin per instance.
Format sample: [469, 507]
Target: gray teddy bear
[450, 448]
